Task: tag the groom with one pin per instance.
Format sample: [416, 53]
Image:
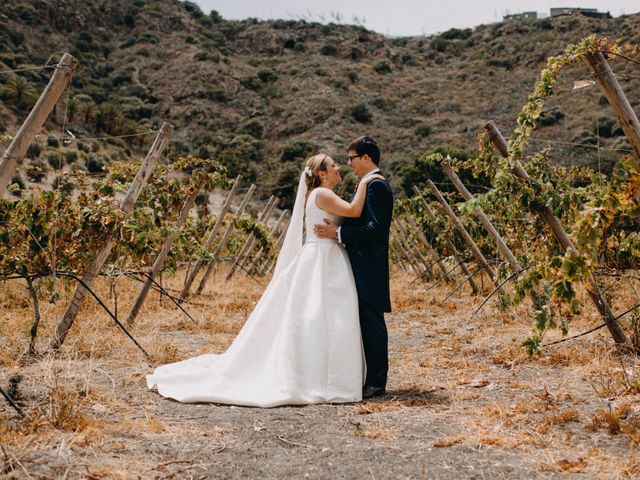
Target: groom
[367, 242]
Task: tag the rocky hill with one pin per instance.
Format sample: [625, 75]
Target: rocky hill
[262, 95]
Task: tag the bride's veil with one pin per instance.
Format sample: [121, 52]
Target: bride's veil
[294, 237]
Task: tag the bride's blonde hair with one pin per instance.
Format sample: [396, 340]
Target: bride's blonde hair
[315, 165]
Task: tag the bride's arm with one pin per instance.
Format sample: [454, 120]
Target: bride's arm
[332, 203]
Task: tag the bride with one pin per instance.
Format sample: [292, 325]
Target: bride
[302, 342]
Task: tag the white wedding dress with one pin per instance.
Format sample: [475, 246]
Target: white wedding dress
[300, 345]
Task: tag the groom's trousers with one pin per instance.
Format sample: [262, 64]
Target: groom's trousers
[375, 342]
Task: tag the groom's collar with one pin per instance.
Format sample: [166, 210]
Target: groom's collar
[372, 172]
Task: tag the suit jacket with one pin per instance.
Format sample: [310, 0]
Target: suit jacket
[367, 243]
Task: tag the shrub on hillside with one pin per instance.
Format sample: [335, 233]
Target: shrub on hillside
[352, 76]
[500, 63]
[24, 13]
[329, 50]
[52, 142]
[34, 151]
[549, 117]
[382, 66]
[607, 127]
[251, 83]
[55, 159]
[422, 130]
[267, 76]
[585, 137]
[95, 163]
[361, 113]
[253, 128]
[440, 44]
[284, 183]
[129, 20]
[298, 150]
[192, 8]
[70, 156]
[457, 34]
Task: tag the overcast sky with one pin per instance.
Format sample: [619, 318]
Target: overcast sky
[402, 17]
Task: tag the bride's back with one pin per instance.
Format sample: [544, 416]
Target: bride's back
[314, 215]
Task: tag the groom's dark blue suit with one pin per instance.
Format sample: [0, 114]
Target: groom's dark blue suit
[367, 243]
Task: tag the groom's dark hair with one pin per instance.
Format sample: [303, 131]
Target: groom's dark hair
[366, 146]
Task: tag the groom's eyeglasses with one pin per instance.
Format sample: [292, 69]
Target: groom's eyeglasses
[351, 157]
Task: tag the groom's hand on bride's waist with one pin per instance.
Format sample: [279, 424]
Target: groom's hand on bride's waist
[326, 230]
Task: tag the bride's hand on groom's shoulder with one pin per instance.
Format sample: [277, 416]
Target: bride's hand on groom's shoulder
[371, 178]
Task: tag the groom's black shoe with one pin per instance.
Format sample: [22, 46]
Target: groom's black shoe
[369, 391]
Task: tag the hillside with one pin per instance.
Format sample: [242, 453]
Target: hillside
[260, 95]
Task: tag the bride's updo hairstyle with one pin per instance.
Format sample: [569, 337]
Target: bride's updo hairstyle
[315, 165]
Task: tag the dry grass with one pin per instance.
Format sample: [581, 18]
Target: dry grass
[471, 377]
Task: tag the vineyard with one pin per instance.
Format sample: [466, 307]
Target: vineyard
[514, 337]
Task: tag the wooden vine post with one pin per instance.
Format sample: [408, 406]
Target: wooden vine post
[164, 250]
[465, 235]
[258, 258]
[617, 99]
[404, 247]
[211, 236]
[423, 239]
[563, 239]
[222, 242]
[271, 261]
[452, 248]
[250, 242]
[144, 172]
[404, 232]
[486, 223]
[16, 150]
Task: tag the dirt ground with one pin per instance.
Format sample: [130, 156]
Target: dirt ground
[464, 401]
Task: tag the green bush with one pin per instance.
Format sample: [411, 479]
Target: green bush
[71, 156]
[440, 44]
[500, 63]
[253, 128]
[25, 13]
[352, 76]
[52, 142]
[193, 9]
[457, 34]
[95, 163]
[607, 127]
[267, 76]
[382, 67]
[55, 159]
[422, 130]
[284, 183]
[360, 113]
[298, 150]
[585, 137]
[329, 50]
[251, 83]
[129, 20]
[549, 117]
[34, 151]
